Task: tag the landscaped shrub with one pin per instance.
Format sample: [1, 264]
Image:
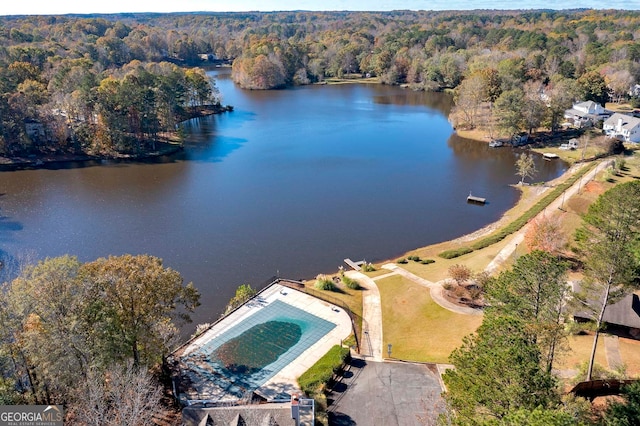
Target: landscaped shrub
[576, 328]
[351, 283]
[427, 261]
[324, 282]
[403, 261]
[529, 214]
[474, 292]
[368, 267]
[620, 165]
[450, 254]
[350, 341]
[316, 379]
[460, 273]
[459, 292]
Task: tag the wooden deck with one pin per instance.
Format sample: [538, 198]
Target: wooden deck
[354, 265]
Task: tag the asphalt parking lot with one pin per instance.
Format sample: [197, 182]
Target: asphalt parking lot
[386, 394]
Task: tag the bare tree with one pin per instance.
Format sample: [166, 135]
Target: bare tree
[469, 97]
[619, 82]
[123, 395]
[525, 167]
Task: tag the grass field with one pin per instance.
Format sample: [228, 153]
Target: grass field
[579, 350]
[418, 328]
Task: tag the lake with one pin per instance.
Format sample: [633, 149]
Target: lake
[291, 183]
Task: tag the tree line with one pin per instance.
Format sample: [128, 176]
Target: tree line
[69, 72]
[78, 108]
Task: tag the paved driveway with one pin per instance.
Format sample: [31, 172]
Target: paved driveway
[386, 394]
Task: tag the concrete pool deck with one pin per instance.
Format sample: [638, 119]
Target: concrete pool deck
[284, 381]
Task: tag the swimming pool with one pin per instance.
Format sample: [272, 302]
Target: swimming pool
[248, 354]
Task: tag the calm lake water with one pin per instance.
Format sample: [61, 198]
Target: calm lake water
[291, 182]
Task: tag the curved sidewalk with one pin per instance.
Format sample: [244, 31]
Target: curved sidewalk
[435, 290]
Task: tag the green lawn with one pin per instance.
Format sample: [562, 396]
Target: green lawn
[417, 327]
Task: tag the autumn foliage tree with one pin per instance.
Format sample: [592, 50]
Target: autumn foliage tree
[460, 273]
[545, 233]
[142, 300]
[61, 319]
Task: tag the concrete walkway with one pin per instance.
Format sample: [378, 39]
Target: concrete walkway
[371, 345]
[612, 352]
[518, 237]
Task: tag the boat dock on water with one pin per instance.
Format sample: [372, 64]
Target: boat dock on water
[476, 200]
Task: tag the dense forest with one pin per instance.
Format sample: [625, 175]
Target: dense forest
[114, 83]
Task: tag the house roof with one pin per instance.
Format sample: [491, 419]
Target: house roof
[587, 104]
[258, 415]
[628, 121]
[582, 109]
[626, 312]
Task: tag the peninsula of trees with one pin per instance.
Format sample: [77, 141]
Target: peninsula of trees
[114, 83]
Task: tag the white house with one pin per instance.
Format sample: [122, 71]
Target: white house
[589, 107]
[622, 126]
[585, 114]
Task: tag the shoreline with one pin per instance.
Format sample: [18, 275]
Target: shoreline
[529, 194]
[167, 146]
[43, 162]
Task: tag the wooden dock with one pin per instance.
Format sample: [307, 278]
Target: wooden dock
[356, 266]
[476, 200]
